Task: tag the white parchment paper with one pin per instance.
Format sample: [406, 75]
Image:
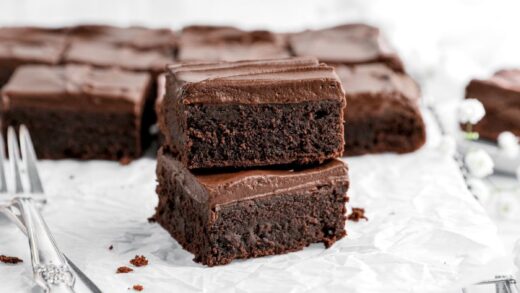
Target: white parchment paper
[425, 233]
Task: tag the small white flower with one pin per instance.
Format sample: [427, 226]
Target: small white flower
[479, 189]
[508, 144]
[479, 163]
[447, 146]
[470, 111]
[506, 206]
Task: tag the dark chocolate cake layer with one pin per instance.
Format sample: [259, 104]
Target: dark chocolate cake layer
[254, 113]
[226, 216]
[500, 95]
[78, 111]
[383, 113]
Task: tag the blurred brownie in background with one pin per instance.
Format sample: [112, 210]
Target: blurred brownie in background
[107, 55]
[500, 95]
[77, 111]
[139, 38]
[348, 44]
[221, 216]
[29, 45]
[222, 43]
[383, 110]
[132, 48]
[253, 113]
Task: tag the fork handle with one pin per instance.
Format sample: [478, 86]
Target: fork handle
[50, 268]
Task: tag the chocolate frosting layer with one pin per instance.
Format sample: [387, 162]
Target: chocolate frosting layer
[225, 188]
[78, 87]
[222, 43]
[346, 44]
[375, 89]
[376, 78]
[506, 78]
[32, 45]
[108, 55]
[253, 82]
[136, 37]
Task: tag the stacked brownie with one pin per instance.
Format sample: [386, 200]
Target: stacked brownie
[85, 92]
[248, 167]
[383, 100]
[500, 95]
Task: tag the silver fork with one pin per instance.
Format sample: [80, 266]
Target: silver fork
[52, 269]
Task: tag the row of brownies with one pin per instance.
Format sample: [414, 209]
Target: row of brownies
[90, 91]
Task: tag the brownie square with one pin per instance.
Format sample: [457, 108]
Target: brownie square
[218, 43]
[77, 111]
[348, 44]
[29, 45]
[383, 113]
[253, 113]
[140, 38]
[224, 216]
[106, 55]
[500, 95]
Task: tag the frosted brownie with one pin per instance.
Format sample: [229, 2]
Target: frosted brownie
[78, 111]
[253, 113]
[500, 95]
[383, 110]
[348, 44]
[29, 45]
[219, 43]
[224, 216]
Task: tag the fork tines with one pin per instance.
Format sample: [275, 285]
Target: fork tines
[22, 157]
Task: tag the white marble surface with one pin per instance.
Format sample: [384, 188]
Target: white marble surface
[426, 233]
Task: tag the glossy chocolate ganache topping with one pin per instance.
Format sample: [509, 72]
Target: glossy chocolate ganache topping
[224, 188]
[254, 82]
[76, 87]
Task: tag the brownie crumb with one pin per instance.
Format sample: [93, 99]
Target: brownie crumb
[357, 214]
[125, 161]
[152, 219]
[139, 261]
[111, 247]
[10, 259]
[138, 287]
[124, 270]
